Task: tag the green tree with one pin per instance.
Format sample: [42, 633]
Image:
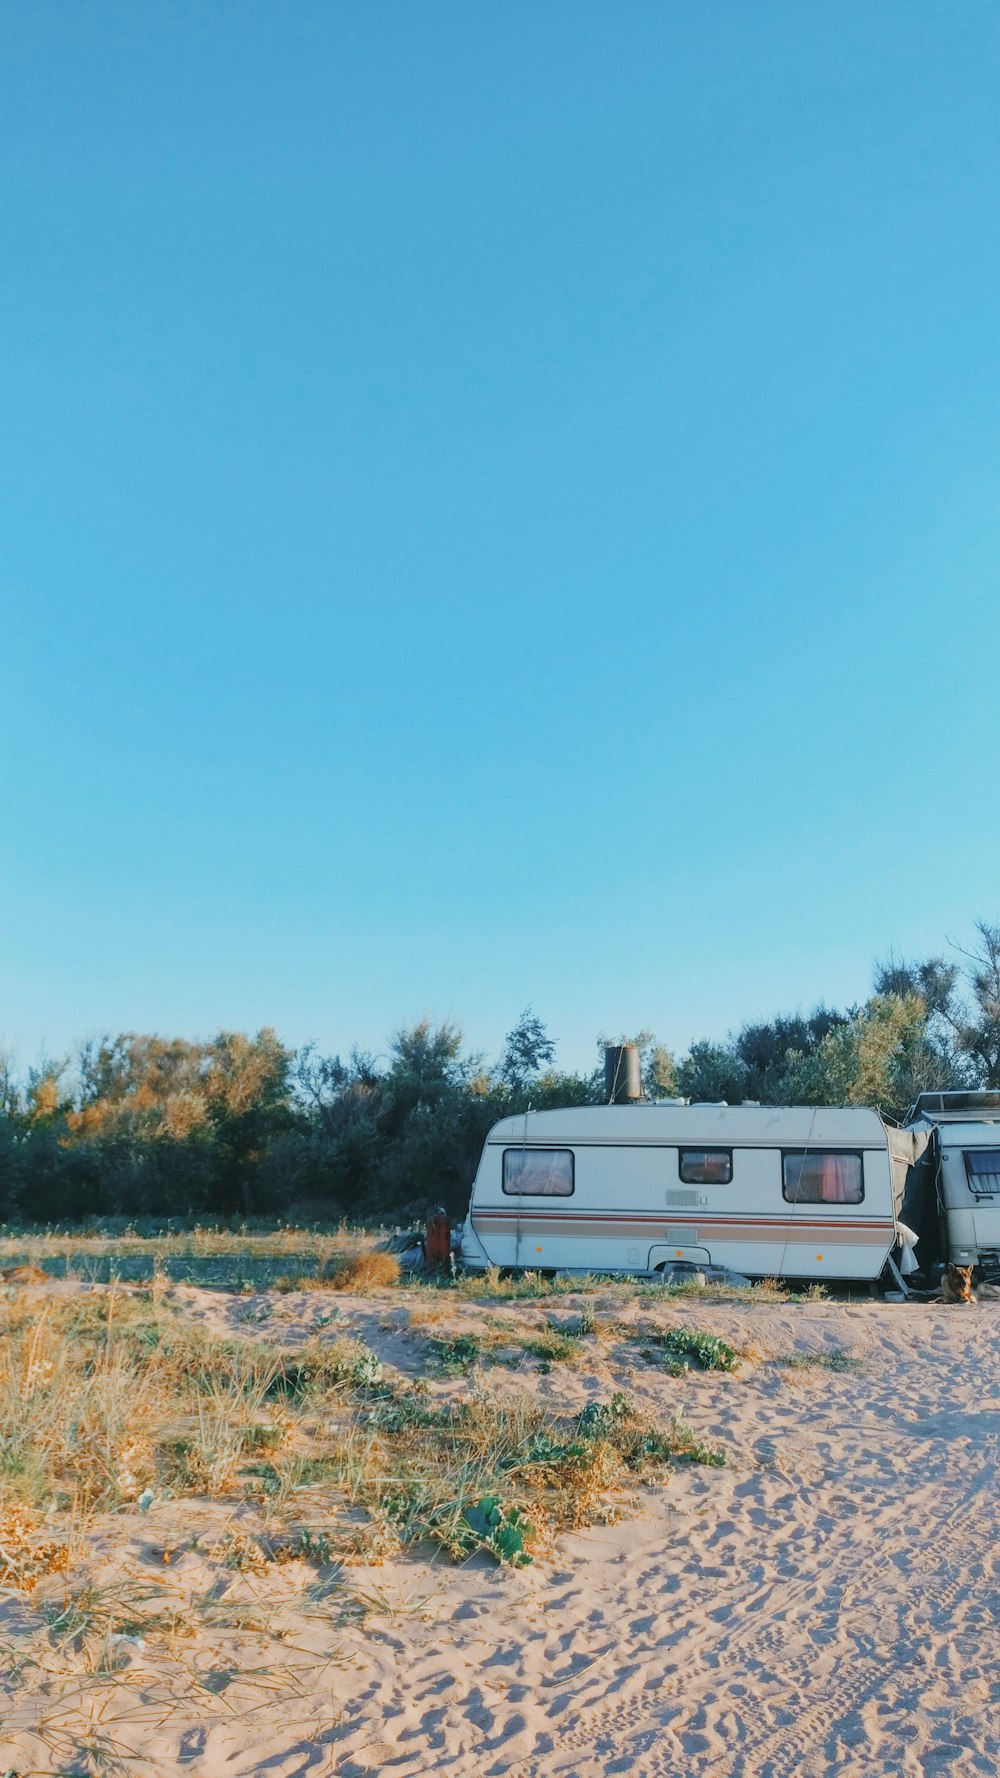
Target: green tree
[963, 1006]
[528, 1049]
[247, 1086]
[712, 1071]
[880, 1057]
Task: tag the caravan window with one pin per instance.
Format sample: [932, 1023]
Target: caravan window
[706, 1166]
[983, 1168]
[538, 1172]
[814, 1177]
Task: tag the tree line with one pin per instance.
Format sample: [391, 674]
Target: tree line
[145, 1126]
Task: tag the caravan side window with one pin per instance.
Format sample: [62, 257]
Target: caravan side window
[810, 1176]
[538, 1172]
[982, 1165]
[706, 1166]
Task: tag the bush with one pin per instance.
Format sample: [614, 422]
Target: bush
[683, 1349]
[363, 1271]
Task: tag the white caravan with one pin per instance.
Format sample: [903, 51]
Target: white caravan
[769, 1191]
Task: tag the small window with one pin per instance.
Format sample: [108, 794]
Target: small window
[706, 1166]
[817, 1178]
[538, 1172]
[983, 1168]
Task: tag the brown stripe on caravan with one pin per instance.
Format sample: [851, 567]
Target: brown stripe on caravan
[847, 1232]
[611, 1218]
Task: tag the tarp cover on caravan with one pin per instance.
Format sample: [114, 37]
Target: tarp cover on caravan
[906, 1151]
[914, 1199]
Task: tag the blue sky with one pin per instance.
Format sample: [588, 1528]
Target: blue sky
[499, 505]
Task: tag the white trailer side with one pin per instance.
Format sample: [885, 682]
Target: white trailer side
[769, 1191]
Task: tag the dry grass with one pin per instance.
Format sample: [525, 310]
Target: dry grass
[239, 1259]
[23, 1274]
[493, 1285]
[27, 1553]
[374, 1270]
[126, 1241]
[835, 1359]
[516, 1287]
[111, 1401]
[249, 1258]
[495, 1339]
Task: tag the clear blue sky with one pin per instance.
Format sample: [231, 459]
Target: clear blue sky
[499, 504]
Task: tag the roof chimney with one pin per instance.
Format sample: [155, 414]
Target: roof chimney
[622, 1075]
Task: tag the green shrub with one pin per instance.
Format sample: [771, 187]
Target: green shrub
[343, 1361]
[458, 1354]
[500, 1529]
[553, 1347]
[684, 1349]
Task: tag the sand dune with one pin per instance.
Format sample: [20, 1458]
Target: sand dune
[827, 1601]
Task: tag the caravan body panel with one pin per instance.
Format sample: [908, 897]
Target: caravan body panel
[768, 1191]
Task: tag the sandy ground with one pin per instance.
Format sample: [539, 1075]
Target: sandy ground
[826, 1602]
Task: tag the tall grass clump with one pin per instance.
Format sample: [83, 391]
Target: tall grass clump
[103, 1396]
[373, 1270]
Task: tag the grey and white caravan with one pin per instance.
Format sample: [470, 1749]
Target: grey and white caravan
[787, 1191]
[957, 1207]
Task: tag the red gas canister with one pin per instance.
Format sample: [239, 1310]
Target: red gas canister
[438, 1242]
